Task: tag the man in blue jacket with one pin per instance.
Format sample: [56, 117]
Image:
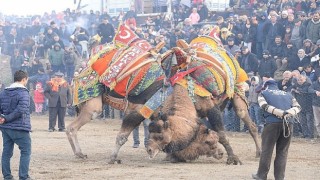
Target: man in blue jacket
[15, 125]
[279, 109]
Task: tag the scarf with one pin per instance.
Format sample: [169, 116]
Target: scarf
[56, 82]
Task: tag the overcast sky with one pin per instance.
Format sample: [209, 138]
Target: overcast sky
[25, 7]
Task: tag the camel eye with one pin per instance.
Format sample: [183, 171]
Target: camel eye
[158, 138]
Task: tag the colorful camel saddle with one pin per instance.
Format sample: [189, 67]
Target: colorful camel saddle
[86, 86]
[219, 72]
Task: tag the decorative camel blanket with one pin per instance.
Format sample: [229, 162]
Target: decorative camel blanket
[86, 86]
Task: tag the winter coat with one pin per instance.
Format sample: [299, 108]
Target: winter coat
[267, 66]
[261, 36]
[14, 105]
[249, 62]
[279, 99]
[312, 89]
[272, 31]
[277, 50]
[295, 62]
[38, 96]
[313, 31]
[303, 96]
[63, 95]
[56, 57]
[249, 34]
[106, 31]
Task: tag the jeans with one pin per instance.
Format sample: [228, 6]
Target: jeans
[70, 72]
[307, 124]
[259, 49]
[254, 110]
[135, 133]
[231, 120]
[23, 140]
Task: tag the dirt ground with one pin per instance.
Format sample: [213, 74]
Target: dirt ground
[52, 157]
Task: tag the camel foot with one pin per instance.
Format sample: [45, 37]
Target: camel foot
[115, 161]
[80, 155]
[233, 160]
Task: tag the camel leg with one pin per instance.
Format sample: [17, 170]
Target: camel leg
[215, 119]
[88, 111]
[130, 121]
[241, 109]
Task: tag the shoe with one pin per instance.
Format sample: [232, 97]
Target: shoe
[50, 130]
[62, 130]
[135, 146]
[255, 176]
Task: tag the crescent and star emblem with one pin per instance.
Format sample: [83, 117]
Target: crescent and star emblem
[126, 36]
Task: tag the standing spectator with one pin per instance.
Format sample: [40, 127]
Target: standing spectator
[248, 61]
[135, 133]
[298, 33]
[249, 34]
[290, 52]
[313, 28]
[279, 107]
[105, 31]
[130, 18]
[59, 96]
[70, 60]
[203, 12]
[16, 62]
[13, 41]
[254, 109]
[261, 36]
[194, 16]
[56, 58]
[300, 91]
[267, 64]
[315, 90]
[15, 125]
[38, 98]
[64, 34]
[273, 29]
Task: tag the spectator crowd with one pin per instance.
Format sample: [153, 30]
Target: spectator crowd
[270, 38]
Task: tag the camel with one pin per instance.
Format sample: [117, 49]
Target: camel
[207, 107]
[180, 133]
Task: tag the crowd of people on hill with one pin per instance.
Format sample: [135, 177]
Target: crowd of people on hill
[280, 39]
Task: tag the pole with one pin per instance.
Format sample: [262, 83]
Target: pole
[102, 5]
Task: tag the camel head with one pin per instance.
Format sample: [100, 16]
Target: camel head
[160, 137]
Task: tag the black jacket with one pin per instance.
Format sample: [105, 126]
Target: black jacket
[267, 66]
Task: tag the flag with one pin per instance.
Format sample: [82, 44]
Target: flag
[124, 36]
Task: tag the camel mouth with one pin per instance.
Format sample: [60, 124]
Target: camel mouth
[153, 153]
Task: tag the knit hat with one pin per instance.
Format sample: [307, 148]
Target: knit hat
[265, 52]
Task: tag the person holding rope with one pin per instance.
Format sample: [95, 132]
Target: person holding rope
[279, 108]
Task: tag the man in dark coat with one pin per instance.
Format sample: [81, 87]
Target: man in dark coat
[59, 96]
[273, 29]
[15, 125]
[314, 89]
[267, 64]
[304, 98]
[248, 61]
[279, 108]
[105, 31]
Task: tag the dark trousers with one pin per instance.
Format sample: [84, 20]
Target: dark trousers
[53, 113]
[23, 140]
[307, 124]
[273, 135]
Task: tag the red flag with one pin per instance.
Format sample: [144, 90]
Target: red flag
[124, 36]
